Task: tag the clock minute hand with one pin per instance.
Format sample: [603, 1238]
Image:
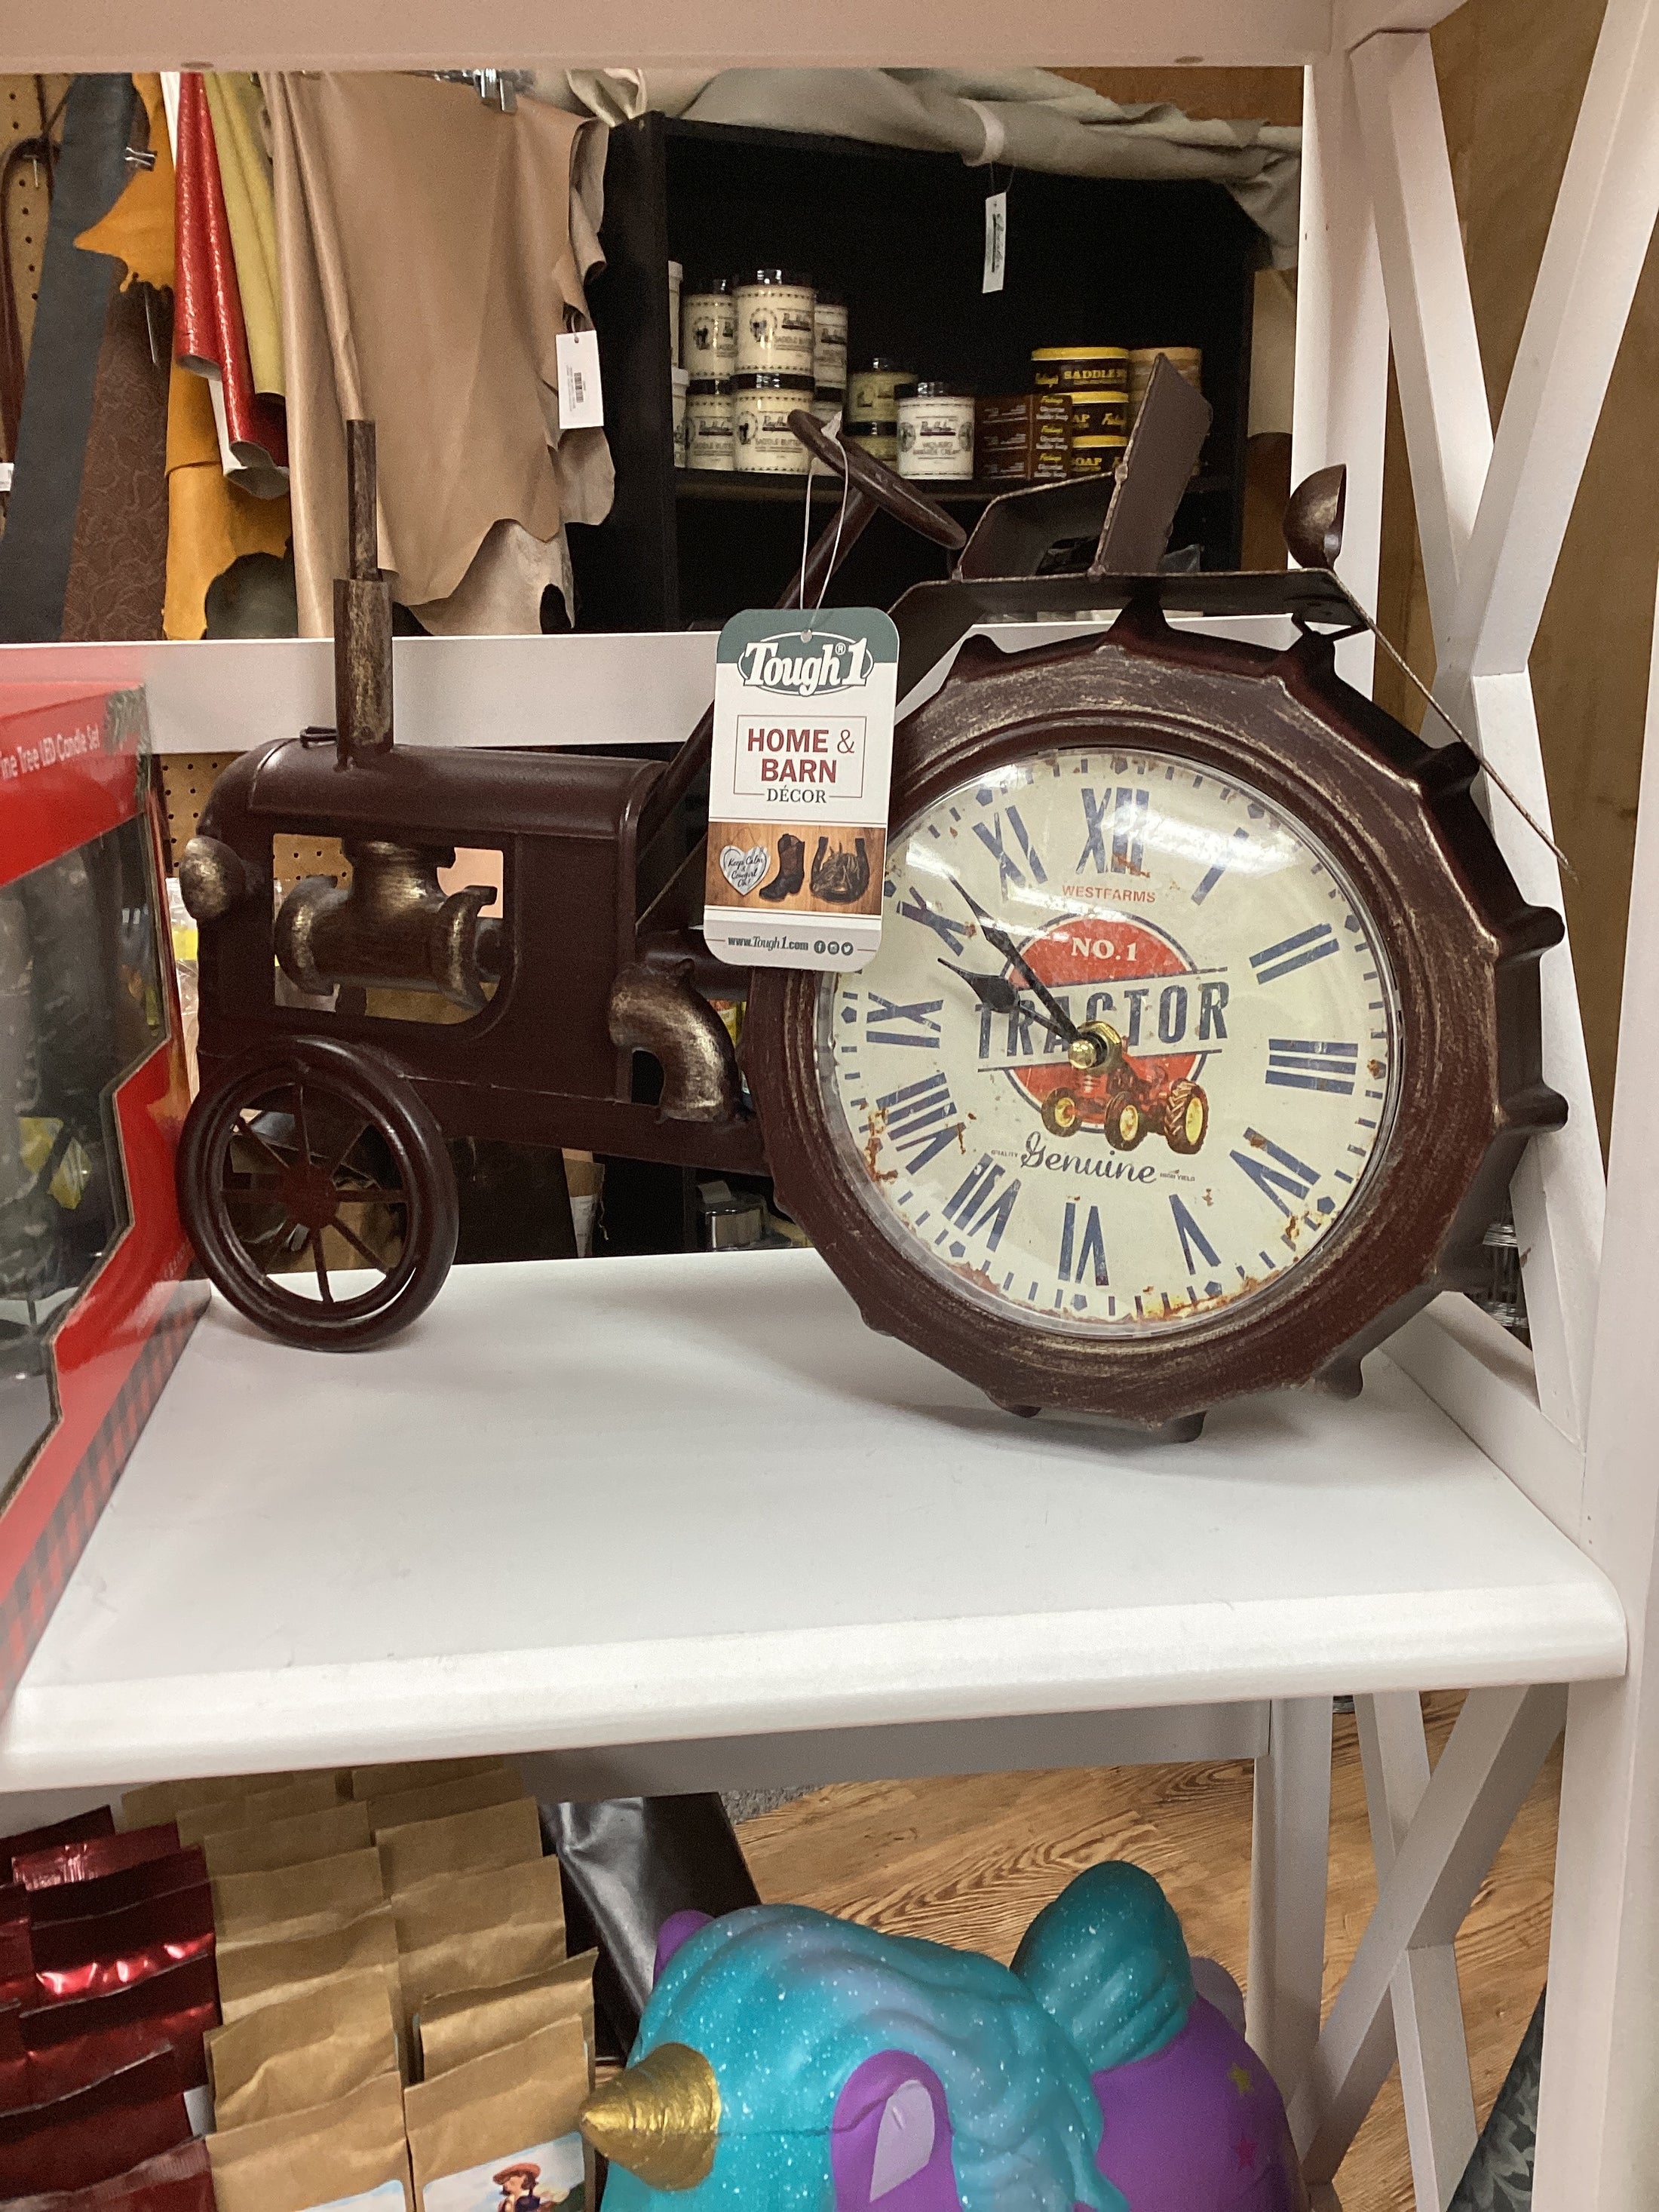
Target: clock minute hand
[1086, 1048]
[995, 991]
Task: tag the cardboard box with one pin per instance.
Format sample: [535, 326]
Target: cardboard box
[97, 1297]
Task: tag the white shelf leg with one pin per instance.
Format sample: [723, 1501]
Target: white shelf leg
[1342, 405]
[1601, 2023]
[1500, 1742]
[1557, 1194]
[1443, 392]
[1423, 1994]
[1289, 1863]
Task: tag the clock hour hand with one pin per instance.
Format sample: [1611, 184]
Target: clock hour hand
[1086, 1050]
[1000, 941]
[995, 991]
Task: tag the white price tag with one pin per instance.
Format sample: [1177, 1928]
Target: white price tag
[581, 397]
[996, 241]
[798, 787]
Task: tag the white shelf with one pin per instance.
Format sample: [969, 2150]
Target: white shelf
[228, 695]
[433, 33]
[635, 1501]
[598, 687]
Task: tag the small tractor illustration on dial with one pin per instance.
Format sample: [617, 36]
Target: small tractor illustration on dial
[1128, 1099]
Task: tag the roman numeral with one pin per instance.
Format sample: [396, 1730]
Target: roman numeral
[977, 1207]
[1209, 881]
[924, 1031]
[1298, 1065]
[1130, 810]
[1190, 1234]
[1292, 1174]
[1293, 952]
[1009, 870]
[922, 1121]
[1082, 1255]
[914, 908]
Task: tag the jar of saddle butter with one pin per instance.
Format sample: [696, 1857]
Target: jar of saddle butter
[763, 401]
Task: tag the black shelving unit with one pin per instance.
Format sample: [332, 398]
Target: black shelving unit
[900, 234]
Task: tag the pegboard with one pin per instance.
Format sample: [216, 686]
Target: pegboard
[27, 205]
[186, 781]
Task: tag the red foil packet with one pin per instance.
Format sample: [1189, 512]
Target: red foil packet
[89, 1857]
[17, 1982]
[109, 1892]
[175, 2181]
[97, 2132]
[31, 2077]
[78, 1828]
[110, 1950]
[180, 2002]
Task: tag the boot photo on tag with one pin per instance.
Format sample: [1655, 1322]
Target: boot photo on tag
[792, 858]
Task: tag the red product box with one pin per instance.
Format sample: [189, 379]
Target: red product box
[97, 1296]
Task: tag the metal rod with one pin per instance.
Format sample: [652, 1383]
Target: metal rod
[362, 523]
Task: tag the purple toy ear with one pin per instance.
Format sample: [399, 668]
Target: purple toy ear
[889, 2143]
[678, 1928]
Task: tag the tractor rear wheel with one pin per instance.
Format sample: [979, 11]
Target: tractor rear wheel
[1126, 1125]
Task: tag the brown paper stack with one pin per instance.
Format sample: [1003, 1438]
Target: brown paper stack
[301, 2050]
[349, 2146]
[164, 1801]
[344, 1922]
[464, 2027]
[507, 2121]
[310, 1793]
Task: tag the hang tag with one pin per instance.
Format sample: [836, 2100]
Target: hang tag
[581, 397]
[798, 789]
[996, 241]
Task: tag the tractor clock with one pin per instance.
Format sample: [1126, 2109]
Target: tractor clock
[1201, 1042]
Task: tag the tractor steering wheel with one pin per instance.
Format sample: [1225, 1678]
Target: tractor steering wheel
[879, 483]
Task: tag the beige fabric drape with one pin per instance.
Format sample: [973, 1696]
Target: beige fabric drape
[1028, 119]
[427, 267]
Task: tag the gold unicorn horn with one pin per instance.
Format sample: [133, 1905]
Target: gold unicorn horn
[658, 2117]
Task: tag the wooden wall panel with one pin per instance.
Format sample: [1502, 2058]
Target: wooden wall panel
[1256, 95]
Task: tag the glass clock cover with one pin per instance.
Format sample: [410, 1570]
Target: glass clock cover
[1128, 1052]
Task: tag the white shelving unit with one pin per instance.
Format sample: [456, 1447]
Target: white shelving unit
[674, 1523]
[804, 1529]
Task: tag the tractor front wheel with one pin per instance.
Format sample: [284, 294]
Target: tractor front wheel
[306, 1168]
[1060, 1114]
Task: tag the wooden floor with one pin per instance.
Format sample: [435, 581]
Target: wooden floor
[969, 1860]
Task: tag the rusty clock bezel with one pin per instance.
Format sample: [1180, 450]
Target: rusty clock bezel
[1398, 817]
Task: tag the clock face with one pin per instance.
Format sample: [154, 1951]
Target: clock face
[1191, 1109]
